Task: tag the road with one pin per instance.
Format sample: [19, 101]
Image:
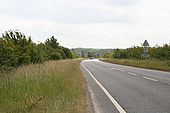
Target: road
[123, 89]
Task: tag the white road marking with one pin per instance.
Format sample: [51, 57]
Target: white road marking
[132, 73]
[120, 70]
[164, 82]
[117, 69]
[150, 78]
[115, 103]
[112, 68]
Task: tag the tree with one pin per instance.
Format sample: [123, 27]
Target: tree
[74, 54]
[8, 57]
[52, 42]
[20, 44]
[55, 56]
[107, 55]
[16, 49]
[67, 52]
[91, 54]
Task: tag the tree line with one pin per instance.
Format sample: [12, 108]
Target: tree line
[158, 52]
[16, 49]
[91, 52]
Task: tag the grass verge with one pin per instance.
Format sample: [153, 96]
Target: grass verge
[163, 65]
[52, 87]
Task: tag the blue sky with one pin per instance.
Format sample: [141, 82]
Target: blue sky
[89, 23]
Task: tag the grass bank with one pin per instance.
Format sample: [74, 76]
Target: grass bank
[163, 65]
[52, 87]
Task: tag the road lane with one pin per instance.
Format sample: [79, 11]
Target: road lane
[114, 102]
[155, 74]
[130, 87]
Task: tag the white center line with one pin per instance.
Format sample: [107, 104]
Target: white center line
[117, 69]
[164, 82]
[112, 68]
[115, 103]
[132, 73]
[120, 70]
[150, 78]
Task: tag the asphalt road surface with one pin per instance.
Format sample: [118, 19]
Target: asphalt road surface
[123, 89]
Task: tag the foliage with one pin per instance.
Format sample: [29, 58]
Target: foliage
[74, 55]
[52, 42]
[67, 52]
[107, 55]
[55, 56]
[85, 52]
[119, 54]
[8, 57]
[16, 49]
[136, 53]
[157, 64]
[161, 52]
[91, 54]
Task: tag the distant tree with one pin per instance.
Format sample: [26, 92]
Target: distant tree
[74, 54]
[120, 54]
[67, 52]
[134, 52]
[107, 55]
[91, 54]
[161, 52]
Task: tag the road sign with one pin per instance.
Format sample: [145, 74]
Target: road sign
[145, 44]
[145, 49]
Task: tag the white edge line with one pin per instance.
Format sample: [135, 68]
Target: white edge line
[115, 103]
[150, 78]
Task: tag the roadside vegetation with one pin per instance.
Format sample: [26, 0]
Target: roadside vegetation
[39, 78]
[163, 65]
[16, 49]
[159, 57]
[50, 87]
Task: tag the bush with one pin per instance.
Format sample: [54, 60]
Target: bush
[55, 56]
[107, 55]
[136, 52]
[16, 49]
[8, 57]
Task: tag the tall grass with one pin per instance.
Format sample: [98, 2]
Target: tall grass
[52, 87]
[157, 64]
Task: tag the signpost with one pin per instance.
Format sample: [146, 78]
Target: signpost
[145, 49]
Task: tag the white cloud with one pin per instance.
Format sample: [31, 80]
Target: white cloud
[90, 23]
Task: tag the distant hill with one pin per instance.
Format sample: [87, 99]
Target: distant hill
[91, 52]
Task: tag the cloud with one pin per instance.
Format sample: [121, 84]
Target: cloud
[66, 11]
[90, 23]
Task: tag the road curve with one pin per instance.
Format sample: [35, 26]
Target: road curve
[123, 89]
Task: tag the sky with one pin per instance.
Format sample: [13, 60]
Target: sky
[89, 23]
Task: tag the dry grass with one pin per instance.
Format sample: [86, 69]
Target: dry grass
[52, 87]
[163, 65]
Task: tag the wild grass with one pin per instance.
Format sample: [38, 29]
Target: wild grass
[156, 64]
[52, 87]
